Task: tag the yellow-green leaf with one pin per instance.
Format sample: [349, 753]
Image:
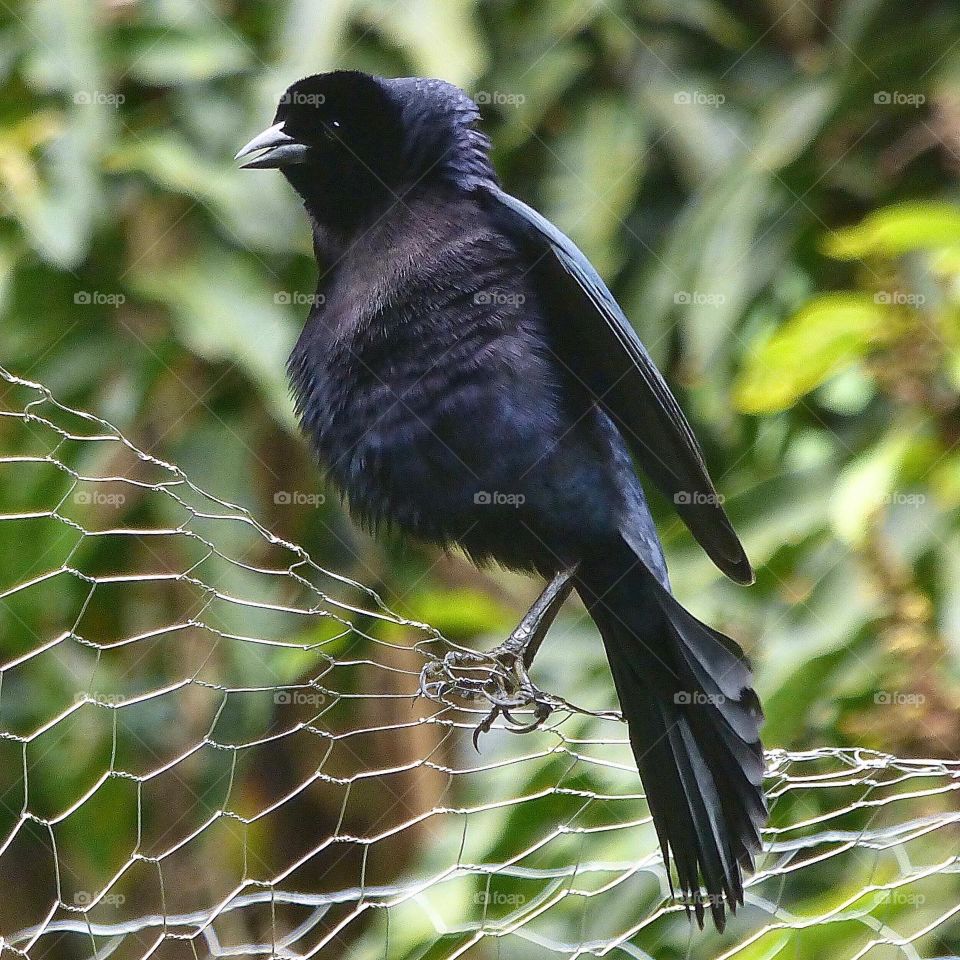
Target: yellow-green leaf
[896, 230]
[821, 339]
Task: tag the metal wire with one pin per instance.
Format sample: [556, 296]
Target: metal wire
[237, 727]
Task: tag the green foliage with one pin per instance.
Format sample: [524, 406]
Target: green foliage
[769, 188]
[825, 336]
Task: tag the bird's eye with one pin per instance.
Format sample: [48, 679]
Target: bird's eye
[331, 131]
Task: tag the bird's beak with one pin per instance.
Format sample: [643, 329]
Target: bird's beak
[279, 149]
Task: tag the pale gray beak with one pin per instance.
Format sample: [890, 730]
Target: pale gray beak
[279, 149]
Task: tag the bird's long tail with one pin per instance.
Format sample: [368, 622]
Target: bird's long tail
[694, 720]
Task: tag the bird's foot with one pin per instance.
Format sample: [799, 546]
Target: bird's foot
[500, 677]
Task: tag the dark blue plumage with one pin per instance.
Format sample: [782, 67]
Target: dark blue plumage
[429, 404]
[467, 378]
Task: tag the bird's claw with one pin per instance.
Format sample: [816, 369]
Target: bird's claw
[440, 677]
[542, 708]
[501, 679]
[484, 726]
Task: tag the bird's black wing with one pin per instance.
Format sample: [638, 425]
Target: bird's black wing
[597, 343]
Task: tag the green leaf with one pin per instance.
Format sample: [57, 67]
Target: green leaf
[790, 124]
[598, 165]
[311, 37]
[177, 60]
[767, 946]
[896, 230]
[866, 485]
[815, 649]
[821, 339]
[522, 97]
[225, 313]
[702, 15]
[458, 612]
[63, 195]
[258, 213]
[440, 37]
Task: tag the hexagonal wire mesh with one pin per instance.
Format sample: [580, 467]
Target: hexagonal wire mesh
[211, 746]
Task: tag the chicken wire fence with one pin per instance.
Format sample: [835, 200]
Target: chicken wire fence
[210, 746]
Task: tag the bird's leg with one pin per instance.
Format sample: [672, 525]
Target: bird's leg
[526, 638]
[504, 681]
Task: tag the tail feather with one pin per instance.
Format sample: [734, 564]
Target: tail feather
[685, 691]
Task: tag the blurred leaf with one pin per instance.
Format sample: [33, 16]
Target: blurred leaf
[865, 485]
[440, 36]
[826, 335]
[949, 617]
[176, 60]
[768, 946]
[256, 209]
[522, 96]
[702, 15]
[459, 612]
[819, 632]
[895, 230]
[789, 125]
[703, 132]
[63, 45]
[60, 211]
[309, 39]
[226, 313]
[595, 173]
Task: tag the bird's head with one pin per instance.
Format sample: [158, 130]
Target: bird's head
[349, 142]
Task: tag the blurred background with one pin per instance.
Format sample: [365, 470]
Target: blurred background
[769, 187]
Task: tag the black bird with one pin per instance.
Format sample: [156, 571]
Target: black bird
[467, 378]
